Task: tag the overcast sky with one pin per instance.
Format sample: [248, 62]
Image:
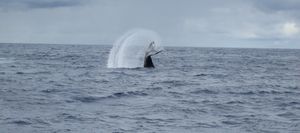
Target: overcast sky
[203, 23]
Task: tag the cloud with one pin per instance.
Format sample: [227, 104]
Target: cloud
[36, 4]
[290, 29]
[192, 22]
[278, 5]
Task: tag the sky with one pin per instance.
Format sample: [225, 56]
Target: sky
[198, 23]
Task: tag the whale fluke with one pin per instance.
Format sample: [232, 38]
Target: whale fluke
[148, 60]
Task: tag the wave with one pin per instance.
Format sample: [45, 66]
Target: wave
[116, 95]
[5, 60]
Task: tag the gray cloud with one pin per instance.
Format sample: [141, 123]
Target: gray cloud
[278, 5]
[53, 3]
[249, 23]
[33, 4]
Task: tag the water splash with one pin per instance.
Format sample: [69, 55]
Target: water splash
[129, 50]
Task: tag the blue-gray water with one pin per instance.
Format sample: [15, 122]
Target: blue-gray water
[67, 88]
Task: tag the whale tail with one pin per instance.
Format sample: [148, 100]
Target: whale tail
[150, 52]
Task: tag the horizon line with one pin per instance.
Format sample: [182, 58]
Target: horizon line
[111, 44]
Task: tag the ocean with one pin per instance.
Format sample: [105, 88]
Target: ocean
[68, 88]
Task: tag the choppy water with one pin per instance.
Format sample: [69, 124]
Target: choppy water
[67, 88]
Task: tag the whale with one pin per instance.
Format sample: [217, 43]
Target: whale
[148, 63]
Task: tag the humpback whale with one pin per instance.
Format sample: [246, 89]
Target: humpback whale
[148, 60]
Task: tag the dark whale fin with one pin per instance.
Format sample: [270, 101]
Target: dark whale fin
[148, 62]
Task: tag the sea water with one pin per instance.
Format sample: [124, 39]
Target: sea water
[68, 88]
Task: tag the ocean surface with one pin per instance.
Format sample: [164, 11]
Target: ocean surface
[68, 88]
